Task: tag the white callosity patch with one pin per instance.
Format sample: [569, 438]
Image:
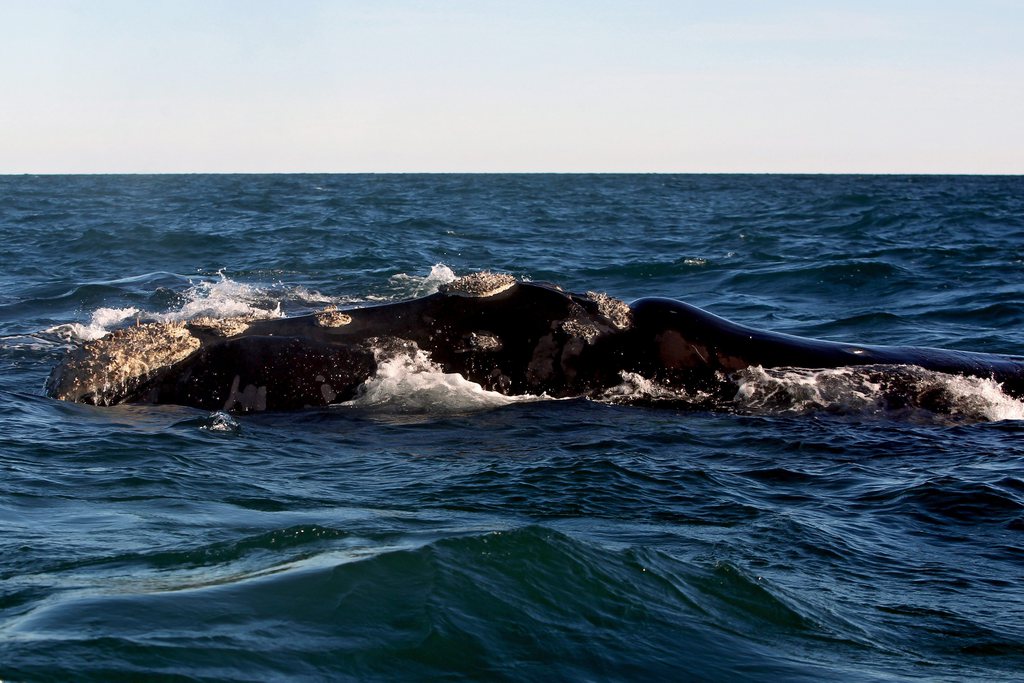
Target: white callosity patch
[332, 317]
[485, 342]
[617, 312]
[582, 329]
[104, 369]
[224, 327]
[480, 284]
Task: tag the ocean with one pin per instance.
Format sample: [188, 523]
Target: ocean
[433, 531]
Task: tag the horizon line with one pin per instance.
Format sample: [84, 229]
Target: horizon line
[5, 174]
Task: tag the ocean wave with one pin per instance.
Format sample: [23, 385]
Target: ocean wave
[512, 603]
[944, 499]
[554, 540]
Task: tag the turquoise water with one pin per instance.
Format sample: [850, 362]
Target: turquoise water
[429, 534]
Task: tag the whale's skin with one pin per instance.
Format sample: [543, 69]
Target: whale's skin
[511, 337]
[679, 344]
[526, 339]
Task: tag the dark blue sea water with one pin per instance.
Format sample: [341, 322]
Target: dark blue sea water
[438, 533]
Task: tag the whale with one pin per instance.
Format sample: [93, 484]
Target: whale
[509, 336]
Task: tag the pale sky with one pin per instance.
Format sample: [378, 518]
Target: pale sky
[886, 86]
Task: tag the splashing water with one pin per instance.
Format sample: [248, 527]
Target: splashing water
[219, 421]
[404, 286]
[409, 382]
[102, 321]
[872, 390]
[636, 388]
[224, 298]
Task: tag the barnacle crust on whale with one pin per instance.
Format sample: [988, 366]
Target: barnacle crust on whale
[586, 331]
[103, 369]
[332, 317]
[480, 284]
[223, 327]
[616, 310]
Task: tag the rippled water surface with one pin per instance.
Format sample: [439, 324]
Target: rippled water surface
[430, 531]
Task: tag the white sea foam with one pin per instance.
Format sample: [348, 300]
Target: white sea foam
[984, 397]
[874, 390]
[864, 391]
[636, 388]
[220, 421]
[101, 322]
[311, 297]
[802, 389]
[223, 298]
[227, 298]
[408, 382]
